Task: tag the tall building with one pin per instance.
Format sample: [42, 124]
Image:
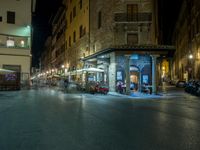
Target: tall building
[58, 41]
[77, 35]
[186, 64]
[114, 41]
[46, 56]
[15, 36]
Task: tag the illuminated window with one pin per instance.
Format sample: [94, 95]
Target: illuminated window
[10, 17]
[22, 43]
[10, 42]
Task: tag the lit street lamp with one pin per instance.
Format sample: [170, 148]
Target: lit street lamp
[190, 69]
[191, 56]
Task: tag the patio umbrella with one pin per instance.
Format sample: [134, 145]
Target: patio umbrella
[5, 71]
[56, 76]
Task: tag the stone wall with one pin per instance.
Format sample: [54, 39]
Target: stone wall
[187, 41]
[101, 38]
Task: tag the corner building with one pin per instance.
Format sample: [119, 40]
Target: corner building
[119, 44]
[15, 36]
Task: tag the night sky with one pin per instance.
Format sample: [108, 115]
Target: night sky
[41, 26]
[168, 13]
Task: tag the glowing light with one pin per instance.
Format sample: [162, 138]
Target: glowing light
[190, 56]
[63, 66]
[22, 43]
[10, 43]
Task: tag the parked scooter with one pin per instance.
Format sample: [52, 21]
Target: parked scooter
[96, 87]
[100, 88]
[193, 87]
[189, 86]
[197, 88]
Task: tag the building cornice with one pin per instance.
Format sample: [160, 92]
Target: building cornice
[143, 49]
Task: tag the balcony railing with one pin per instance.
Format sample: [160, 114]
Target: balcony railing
[16, 42]
[137, 17]
[15, 47]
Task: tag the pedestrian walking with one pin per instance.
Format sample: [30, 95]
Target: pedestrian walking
[66, 83]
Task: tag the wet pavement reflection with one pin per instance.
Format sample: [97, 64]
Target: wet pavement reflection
[47, 119]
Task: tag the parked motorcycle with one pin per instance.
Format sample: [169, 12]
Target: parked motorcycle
[193, 87]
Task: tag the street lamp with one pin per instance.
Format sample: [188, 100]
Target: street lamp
[191, 56]
[190, 69]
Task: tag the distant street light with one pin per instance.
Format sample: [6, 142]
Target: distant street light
[190, 56]
[190, 69]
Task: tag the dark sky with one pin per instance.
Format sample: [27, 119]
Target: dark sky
[41, 27]
[168, 12]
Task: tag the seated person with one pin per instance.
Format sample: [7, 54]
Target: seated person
[145, 89]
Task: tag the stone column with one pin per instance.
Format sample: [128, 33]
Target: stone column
[97, 76]
[161, 71]
[154, 74]
[127, 70]
[112, 73]
[170, 68]
[140, 81]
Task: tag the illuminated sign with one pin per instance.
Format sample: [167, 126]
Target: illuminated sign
[134, 56]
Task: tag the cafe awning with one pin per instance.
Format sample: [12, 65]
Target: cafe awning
[93, 70]
[5, 71]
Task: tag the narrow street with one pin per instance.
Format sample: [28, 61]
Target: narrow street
[46, 119]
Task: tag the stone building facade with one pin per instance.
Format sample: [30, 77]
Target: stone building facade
[186, 63]
[123, 39]
[53, 56]
[77, 35]
[46, 57]
[58, 41]
[113, 41]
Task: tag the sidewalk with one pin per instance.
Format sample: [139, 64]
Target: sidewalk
[165, 91]
[135, 95]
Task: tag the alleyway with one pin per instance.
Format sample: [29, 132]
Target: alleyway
[46, 119]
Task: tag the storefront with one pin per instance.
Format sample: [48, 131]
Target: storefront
[132, 68]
